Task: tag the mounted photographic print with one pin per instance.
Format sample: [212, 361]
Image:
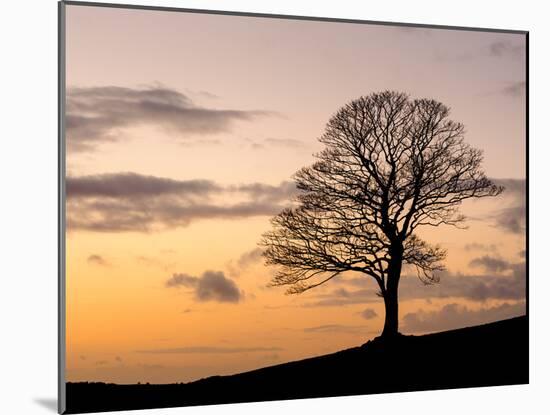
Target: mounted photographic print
[258, 208]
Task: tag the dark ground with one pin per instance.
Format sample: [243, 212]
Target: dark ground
[487, 355]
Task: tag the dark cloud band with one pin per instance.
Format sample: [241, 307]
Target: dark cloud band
[99, 114]
[119, 202]
[452, 316]
[510, 286]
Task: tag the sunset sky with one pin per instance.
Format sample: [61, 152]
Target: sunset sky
[183, 132]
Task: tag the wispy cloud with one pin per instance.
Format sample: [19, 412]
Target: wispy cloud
[336, 328]
[343, 297]
[490, 263]
[270, 143]
[100, 114]
[512, 217]
[98, 260]
[515, 89]
[209, 350]
[500, 49]
[506, 48]
[280, 142]
[477, 247]
[245, 261]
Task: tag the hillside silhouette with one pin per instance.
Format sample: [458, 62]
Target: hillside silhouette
[486, 355]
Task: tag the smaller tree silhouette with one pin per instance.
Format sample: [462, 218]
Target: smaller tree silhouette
[390, 166]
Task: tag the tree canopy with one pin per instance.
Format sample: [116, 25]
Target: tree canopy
[391, 164]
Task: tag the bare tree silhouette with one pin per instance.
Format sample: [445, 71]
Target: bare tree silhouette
[391, 164]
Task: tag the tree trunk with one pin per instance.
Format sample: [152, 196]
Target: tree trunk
[391, 324]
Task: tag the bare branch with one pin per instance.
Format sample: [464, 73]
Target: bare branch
[390, 165]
